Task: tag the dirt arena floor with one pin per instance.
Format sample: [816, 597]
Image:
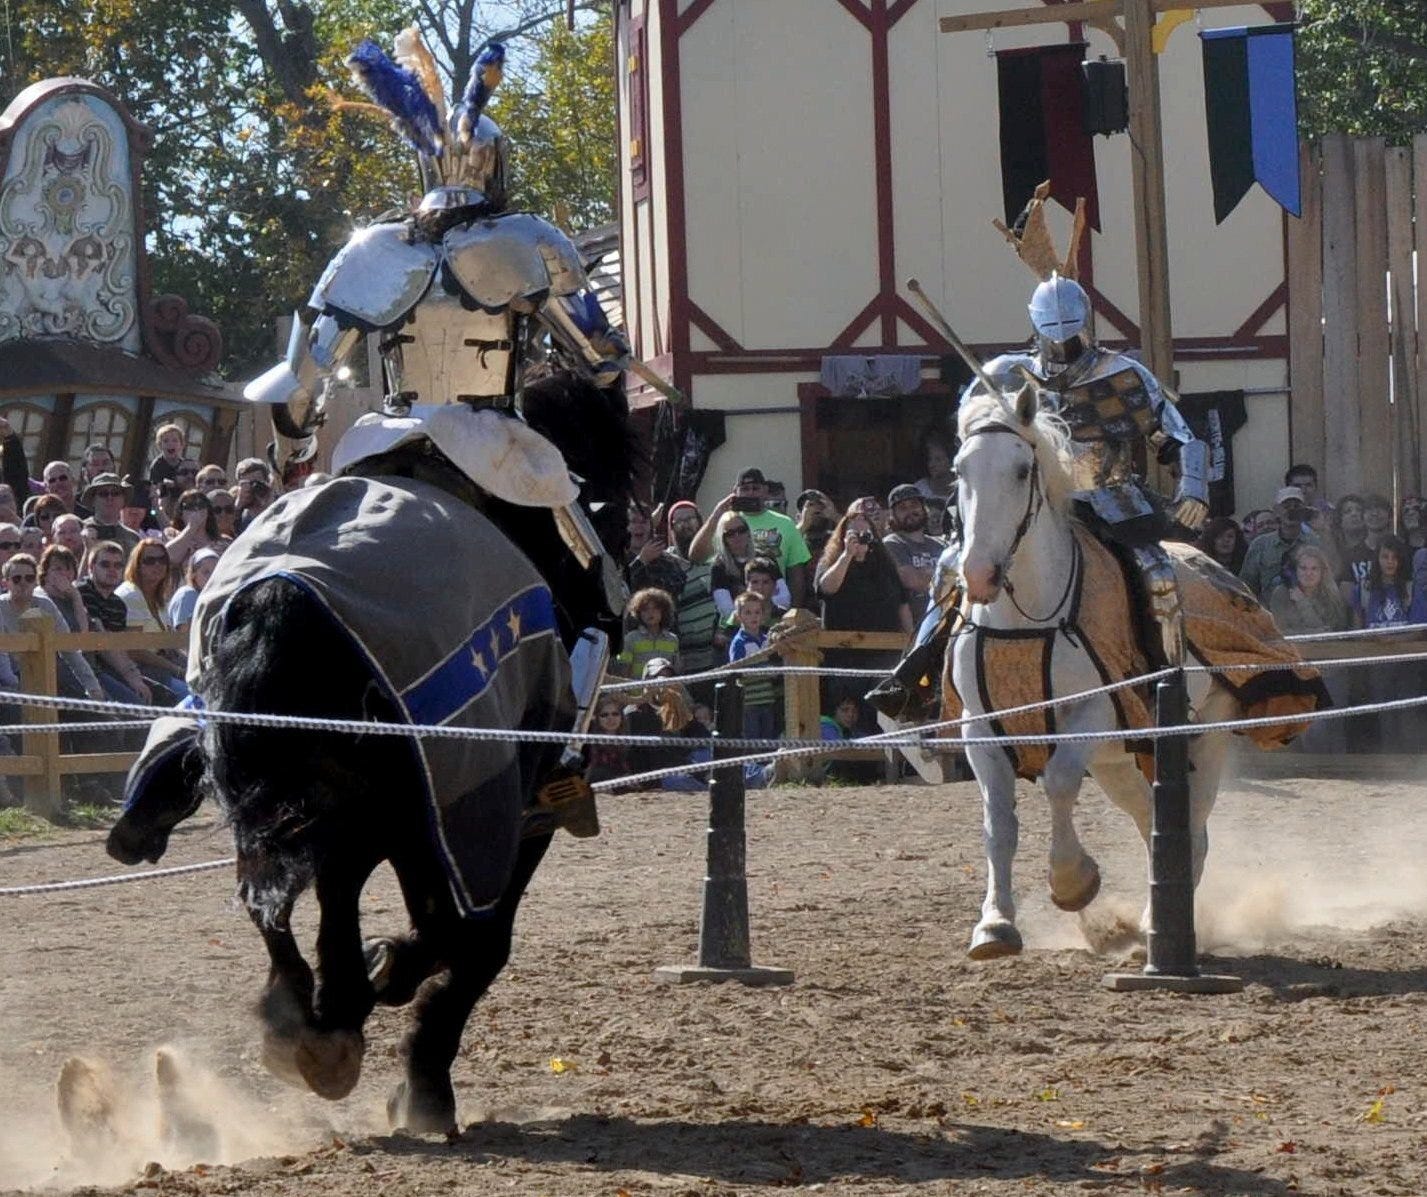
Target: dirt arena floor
[892, 1065]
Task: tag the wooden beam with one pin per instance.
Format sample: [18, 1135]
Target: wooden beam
[1305, 318]
[1419, 174]
[1406, 409]
[1147, 177]
[1094, 11]
[1343, 465]
[1374, 408]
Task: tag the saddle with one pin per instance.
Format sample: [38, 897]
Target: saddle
[1224, 625]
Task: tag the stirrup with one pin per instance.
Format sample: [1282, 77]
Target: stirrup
[570, 800]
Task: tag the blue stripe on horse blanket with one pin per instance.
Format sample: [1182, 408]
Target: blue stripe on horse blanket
[465, 675]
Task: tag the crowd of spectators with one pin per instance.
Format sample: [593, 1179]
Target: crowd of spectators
[95, 551]
[713, 588]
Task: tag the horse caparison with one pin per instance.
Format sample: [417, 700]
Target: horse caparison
[325, 809]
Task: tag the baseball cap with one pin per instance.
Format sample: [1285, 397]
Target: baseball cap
[1289, 494]
[752, 474]
[902, 492]
[658, 667]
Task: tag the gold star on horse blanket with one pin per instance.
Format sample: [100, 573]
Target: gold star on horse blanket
[1224, 625]
[457, 627]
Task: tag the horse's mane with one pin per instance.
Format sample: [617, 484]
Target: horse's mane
[1047, 434]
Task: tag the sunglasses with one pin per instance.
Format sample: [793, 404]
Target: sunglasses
[22, 578]
[59, 478]
[9, 544]
[609, 714]
[109, 493]
[220, 508]
[193, 507]
[153, 560]
[107, 563]
[736, 532]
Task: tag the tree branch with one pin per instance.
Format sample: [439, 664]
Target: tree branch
[290, 58]
[1375, 39]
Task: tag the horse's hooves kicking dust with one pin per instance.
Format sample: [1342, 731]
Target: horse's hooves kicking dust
[1087, 894]
[994, 941]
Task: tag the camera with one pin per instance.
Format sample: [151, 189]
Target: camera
[863, 537]
[746, 503]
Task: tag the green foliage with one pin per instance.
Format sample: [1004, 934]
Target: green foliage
[560, 119]
[1362, 68]
[16, 823]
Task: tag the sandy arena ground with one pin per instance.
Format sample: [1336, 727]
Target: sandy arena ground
[892, 1065]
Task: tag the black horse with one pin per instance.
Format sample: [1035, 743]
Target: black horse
[325, 808]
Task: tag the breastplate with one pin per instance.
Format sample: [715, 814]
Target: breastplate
[445, 353]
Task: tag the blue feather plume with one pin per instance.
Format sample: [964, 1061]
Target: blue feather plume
[485, 78]
[399, 91]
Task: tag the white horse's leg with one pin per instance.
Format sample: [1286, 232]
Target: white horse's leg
[1074, 875]
[1206, 767]
[996, 933]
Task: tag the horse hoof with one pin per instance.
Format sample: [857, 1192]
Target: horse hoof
[1083, 899]
[995, 940]
[424, 1114]
[279, 1056]
[330, 1062]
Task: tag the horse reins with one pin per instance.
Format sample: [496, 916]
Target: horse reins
[1034, 501]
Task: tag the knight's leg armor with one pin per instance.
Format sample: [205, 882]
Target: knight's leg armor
[910, 693]
[1161, 596]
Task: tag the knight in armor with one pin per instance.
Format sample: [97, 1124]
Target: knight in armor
[1111, 404]
[468, 301]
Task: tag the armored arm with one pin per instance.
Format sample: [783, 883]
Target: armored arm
[1173, 440]
[293, 388]
[578, 325]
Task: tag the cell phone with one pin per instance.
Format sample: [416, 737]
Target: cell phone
[746, 503]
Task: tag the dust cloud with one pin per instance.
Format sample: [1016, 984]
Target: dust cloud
[1286, 855]
[167, 1108]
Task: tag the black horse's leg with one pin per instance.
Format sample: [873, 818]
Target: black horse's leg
[329, 1051]
[398, 964]
[477, 951]
[286, 1004]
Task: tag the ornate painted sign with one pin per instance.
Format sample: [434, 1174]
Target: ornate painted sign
[68, 246]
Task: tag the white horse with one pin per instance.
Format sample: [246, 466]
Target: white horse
[1019, 564]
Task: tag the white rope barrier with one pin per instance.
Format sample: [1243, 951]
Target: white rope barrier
[54, 887]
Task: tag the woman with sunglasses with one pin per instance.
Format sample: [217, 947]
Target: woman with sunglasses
[608, 761]
[22, 577]
[735, 548]
[196, 527]
[146, 590]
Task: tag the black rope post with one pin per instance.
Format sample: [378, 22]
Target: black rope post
[724, 952]
[1170, 961]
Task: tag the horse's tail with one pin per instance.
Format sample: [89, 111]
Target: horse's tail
[291, 795]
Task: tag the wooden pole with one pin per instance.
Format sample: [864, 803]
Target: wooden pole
[1147, 181]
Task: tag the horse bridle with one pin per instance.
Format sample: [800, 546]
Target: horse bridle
[1034, 501]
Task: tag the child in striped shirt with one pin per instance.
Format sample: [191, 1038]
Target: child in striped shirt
[652, 613]
[760, 711]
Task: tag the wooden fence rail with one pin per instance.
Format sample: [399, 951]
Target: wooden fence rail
[41, 763]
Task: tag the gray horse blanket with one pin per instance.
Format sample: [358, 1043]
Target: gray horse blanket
[456, 625]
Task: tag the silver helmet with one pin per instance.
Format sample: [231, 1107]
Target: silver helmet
[1063, 321]
[471, 170]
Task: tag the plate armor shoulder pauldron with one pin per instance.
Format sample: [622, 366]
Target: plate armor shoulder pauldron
[515, 260]
[376, 278]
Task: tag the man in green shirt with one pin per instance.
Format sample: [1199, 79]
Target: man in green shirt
[774, 535]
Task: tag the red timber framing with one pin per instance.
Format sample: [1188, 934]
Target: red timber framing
[676, 358]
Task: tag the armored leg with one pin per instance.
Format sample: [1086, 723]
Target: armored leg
[1161, 592]
[909, 694]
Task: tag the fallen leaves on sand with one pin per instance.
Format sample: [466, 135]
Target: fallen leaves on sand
[558, 1065]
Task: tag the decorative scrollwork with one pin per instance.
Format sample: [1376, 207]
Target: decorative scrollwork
[178, 338]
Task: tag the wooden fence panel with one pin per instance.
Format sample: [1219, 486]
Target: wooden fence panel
[1342, 467]
[1374, 402]
[1406, 400]
[1419, 175]
[1305, 318]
